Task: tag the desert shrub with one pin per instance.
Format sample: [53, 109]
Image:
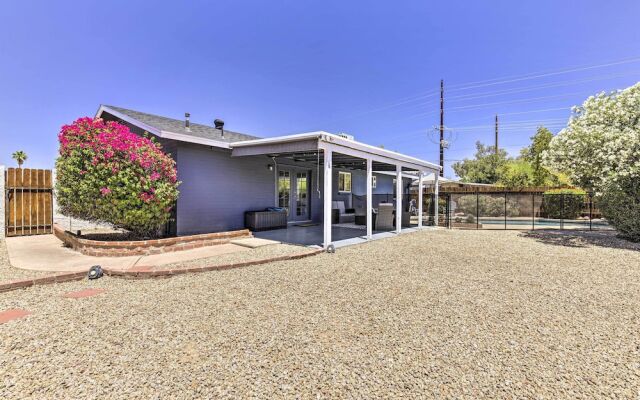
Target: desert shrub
[620, 205]
[106, 173]
[563, 203]
[488, 205]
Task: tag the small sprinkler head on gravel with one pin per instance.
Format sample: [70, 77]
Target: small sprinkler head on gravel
[331, 249]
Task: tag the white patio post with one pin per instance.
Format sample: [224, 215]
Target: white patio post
[398, 198]
[436, 191]
[328, 196]
[369, 198]
[420, 188]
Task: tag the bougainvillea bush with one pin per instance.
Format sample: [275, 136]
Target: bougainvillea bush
[106, 173]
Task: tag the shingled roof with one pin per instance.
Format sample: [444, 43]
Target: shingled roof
[177, 126]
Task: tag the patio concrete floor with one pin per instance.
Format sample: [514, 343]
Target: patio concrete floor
[311, 235]
[47, 253]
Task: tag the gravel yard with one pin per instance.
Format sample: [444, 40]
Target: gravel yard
[445, 314]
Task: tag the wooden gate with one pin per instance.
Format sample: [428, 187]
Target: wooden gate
[29, 206]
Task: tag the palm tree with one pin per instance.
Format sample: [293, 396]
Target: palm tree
[20, 156]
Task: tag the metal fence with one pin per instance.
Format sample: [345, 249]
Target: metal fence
[514, 210]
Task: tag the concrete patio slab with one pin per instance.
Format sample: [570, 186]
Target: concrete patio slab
[47, 253]
[253, 243]
[186, 255]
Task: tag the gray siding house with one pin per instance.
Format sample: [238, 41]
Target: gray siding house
[225, 173]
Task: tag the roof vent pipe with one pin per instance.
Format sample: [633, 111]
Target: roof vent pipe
[219, 124]
[187, 124]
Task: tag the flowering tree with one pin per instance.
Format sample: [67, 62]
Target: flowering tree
[600, 150]
[106, 173]
[601, 142]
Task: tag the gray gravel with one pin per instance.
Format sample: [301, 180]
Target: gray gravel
[9, 273]
[444, 314]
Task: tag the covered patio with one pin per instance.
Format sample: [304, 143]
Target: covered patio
[333, 179]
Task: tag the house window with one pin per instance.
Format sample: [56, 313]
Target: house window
[344, 182]
[374, 181]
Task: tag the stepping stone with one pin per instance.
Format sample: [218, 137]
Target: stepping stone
[252, 243]
[83, 293]
[12, 314]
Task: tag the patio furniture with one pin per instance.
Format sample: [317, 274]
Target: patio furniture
[345, 215]
[361, 219]
[265, 220]
[384, 221]
[406, 219]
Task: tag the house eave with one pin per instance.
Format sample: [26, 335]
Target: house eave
[326, 137]
[161, 133]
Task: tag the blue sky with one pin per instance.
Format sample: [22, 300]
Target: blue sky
[278, 67]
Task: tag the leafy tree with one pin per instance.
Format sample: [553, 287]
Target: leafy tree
[105, 173]
[485, 168]
[517, 173]
[20, 157]
[533, 155]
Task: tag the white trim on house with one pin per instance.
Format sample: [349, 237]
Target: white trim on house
[344, 189]
[127, 118]
[365, 150]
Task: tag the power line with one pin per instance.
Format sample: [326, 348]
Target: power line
[526, 100]
[514, 124]
[520, 113]
[536, 87]
[503, 80]
[484, 83]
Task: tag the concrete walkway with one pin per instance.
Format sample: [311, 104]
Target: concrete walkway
[47, 253]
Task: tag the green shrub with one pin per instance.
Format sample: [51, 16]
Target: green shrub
[489, 205]
[563, 203]
[620, 205]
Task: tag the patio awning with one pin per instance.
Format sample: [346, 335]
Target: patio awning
[305, 147]
[336, 151]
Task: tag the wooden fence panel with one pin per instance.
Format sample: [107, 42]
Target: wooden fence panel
[29, 208]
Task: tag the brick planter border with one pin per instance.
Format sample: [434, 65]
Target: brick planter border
[45, 280]
[145, 272]
[145, 247]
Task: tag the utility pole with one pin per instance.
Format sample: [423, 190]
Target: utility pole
[496, 146]
[442, 127]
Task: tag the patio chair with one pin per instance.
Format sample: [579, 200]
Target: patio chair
[345, 215]
[384, 220]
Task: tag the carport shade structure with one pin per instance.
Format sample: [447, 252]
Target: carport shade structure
[333, 150]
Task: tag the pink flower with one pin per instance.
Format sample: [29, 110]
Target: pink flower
[105, 191]
[146, 197]
[154, 176]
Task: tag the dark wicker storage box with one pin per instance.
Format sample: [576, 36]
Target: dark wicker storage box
[265, 220]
